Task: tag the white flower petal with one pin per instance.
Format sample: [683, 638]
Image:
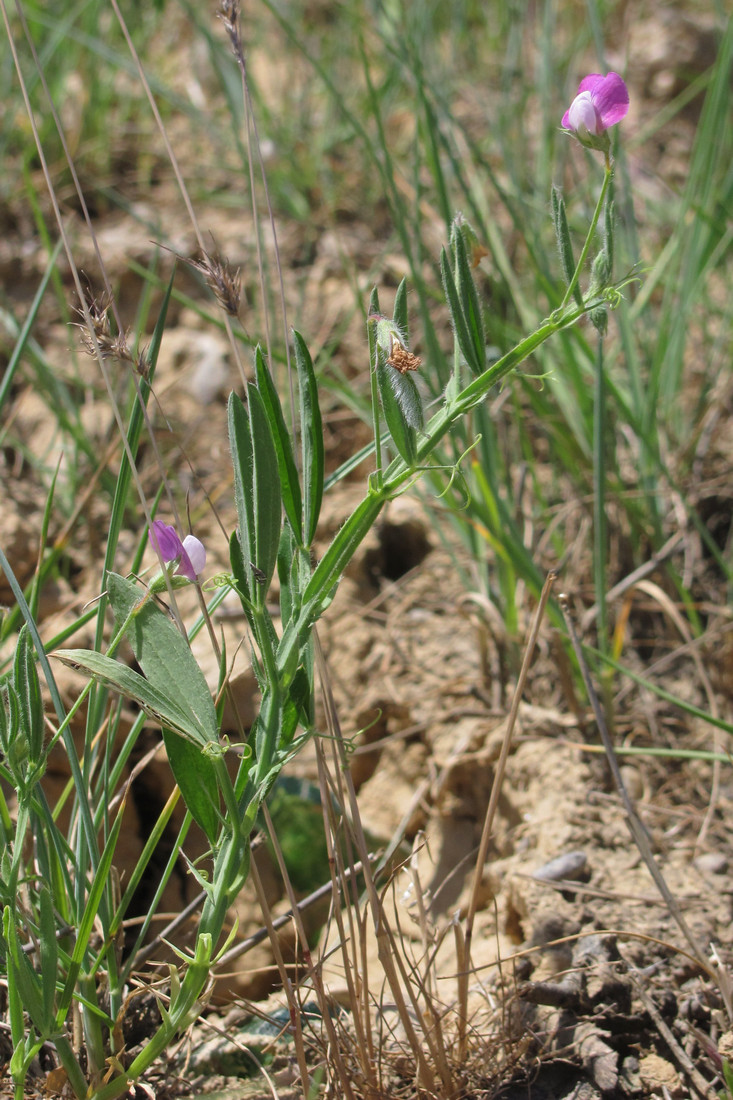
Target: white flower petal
[582, 114]
[196, 553]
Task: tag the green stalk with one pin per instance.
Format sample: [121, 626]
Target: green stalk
[600, 524]
[608, 176]
[373, 359]
[181, 1010]
[71, 1066]
[600, 529]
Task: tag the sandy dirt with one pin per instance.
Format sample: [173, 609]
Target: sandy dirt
[583, 984]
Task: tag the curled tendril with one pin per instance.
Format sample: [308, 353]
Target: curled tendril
[213, 749]
[219, 580]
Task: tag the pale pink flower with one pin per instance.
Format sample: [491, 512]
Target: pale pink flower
[190, 554]
[602, 101]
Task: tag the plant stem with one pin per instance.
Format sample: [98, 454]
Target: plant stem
[608, 176]
[374, 362]
[600, 525]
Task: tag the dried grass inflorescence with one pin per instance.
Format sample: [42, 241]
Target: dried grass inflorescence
[402, 359]
[100, 340]
[222, 279]
[229, 14]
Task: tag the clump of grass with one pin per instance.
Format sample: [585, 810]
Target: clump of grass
[65, 910]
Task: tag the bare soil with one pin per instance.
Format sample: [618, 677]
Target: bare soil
[584, 985]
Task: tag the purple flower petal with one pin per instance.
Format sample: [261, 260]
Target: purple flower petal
[190, 554]
[589, 83]
[610, 99]
[602, 101]
[164, 540]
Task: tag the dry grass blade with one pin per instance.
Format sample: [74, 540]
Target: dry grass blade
[636, 826]
[494, 802]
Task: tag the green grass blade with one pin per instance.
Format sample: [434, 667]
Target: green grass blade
[311, 433]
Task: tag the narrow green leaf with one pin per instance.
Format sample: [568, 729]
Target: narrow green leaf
[20, 599]
[328, 571]
[311, 433]
[408, 398]
[402, 431]
[22, 975]
[470, 305]
[288, 572]
[299, 706]
[28, 689]
[17, 742]
[16, 358]
[98, 886]
[4, 722]
[458, 321]
[289, 482]
[564, 244]
[267, 733]
[49, 952]
[243, 576]
[265, 494]
[195, 775]
[164, 655]
[400, 311]
[15, 1009]
[240, 441]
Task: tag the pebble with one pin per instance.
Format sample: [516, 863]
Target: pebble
[570, 866]
[712, 863]
[658, 1075]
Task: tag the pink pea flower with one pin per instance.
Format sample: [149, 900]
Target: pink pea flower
[190, 554]
[602, 101]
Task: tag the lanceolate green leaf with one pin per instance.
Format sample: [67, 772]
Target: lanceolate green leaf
[49, 951]
[458, 321]
[470, 305]
[240, 441]
[243, 577]
[28, 689]
[564, 244]
[158, 704]
[393, 389]
[195, 775]
[22, 975]
[266, 494]
[408, 397]
[400, 310]
[184, 733]
[257, 490]
[311, 432]
[289, 483]
[164, 655]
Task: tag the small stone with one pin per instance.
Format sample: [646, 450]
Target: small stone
[571, 866]
[656, 1074]
[712, 863]
[725, 1046]
[633, 782]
